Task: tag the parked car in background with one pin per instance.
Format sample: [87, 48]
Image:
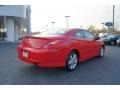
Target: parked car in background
[103, 37]
[60, 48]
[102, 34]
[118, 42]
[111, 39]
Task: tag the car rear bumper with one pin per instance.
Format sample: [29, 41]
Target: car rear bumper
[42, 57]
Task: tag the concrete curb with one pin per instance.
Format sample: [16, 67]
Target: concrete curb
[3, 42]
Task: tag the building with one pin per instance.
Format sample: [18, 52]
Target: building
[14, 22]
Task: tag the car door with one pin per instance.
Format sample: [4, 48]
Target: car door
[92, 44]
[81, 44]
[118, 37]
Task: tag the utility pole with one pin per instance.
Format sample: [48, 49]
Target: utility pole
[113, 18]
[28, 19]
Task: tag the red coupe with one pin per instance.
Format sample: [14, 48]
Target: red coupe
[60, 48]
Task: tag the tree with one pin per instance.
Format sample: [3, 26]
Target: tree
[93, 29]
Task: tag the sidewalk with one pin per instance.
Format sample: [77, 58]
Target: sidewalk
[18, 41]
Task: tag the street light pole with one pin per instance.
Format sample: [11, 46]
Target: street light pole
[67, 20]
[46, 26]
[81, 26]
[103, 25]
[42, 27]
[53, 23]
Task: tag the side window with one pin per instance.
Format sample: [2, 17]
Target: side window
[79, 34]
[88, 35]
[119, 37]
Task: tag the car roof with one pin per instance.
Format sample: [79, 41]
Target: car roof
[73, 30]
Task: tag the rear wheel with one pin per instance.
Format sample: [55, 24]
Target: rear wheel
[72, 61]
[101, 53]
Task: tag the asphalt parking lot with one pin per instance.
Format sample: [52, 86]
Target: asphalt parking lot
[97, 71]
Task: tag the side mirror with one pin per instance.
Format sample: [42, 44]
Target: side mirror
[97, 38]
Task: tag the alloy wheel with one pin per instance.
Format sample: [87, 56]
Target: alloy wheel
[102, 52]
[112, 43]
[72, 61]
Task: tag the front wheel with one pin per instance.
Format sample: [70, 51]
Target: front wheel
[102, 51]
[72, 61]
[112, 43]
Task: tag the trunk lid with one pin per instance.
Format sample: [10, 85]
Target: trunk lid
[35, 42]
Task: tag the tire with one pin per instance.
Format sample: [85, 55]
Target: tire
[101, 53]
[118, 45]
[112, 43]
[72, 61]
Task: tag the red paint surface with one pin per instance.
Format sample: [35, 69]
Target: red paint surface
[53, 51]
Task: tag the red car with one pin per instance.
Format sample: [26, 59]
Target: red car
[60, 48]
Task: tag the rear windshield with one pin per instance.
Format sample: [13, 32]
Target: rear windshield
[57, 32]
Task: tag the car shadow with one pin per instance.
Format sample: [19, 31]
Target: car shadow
[40, 71]
[32, 74]
[60, 70]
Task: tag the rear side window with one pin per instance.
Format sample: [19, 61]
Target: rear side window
[79, 34]
[118, 36]
[88, 35]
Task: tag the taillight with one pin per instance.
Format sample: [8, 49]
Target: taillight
[54, 44]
